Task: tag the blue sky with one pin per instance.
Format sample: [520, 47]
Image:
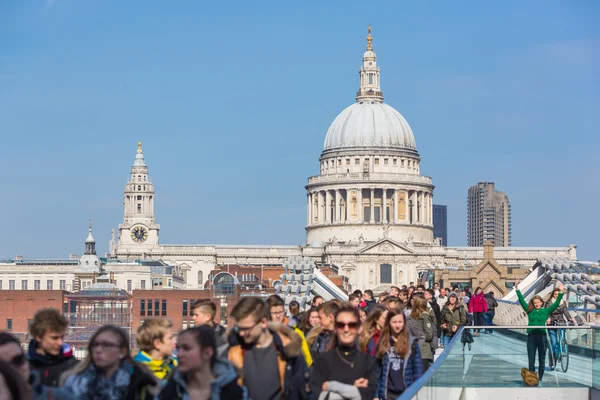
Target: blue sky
[232, 102]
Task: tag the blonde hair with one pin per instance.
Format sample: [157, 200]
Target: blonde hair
[313, 334]
[150, 330]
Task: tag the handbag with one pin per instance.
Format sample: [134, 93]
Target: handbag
[466, 338]
[529, 378]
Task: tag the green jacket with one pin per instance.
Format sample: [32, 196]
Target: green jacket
[457, 318]
[426, 321]
[538, 317]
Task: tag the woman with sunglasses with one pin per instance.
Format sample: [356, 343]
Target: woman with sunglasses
[12, 353]
[109, 372]
[343, 371]
[401, 362]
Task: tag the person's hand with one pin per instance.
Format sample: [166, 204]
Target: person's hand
[454, 328]
[560, 286]
[361, 382]
[324, 387]
[548, 321]
[517, 283]
[445, 325]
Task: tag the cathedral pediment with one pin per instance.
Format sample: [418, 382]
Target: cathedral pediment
[385, 246]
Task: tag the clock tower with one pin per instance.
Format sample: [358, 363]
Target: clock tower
[139, 230]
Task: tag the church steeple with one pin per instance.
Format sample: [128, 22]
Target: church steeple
[370, 89]
[90, 242]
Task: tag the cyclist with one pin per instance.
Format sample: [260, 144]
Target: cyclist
[557, 317]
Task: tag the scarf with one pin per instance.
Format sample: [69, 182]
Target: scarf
[92, 385]
[160, 368]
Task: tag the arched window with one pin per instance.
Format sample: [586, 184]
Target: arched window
[224, 284]
[139, 178]
[385, 273]
[139, 187]
[200, 278]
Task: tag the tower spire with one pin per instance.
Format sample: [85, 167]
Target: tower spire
[90, 242]
[370, 89]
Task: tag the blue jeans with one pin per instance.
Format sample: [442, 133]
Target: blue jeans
[554, 345]
[488, 317]
[446, 340]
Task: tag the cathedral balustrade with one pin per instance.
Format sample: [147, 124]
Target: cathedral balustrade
[371, 177]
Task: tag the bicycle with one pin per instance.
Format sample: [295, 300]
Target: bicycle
[563, 346]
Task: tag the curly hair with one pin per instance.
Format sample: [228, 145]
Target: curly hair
[47, 320]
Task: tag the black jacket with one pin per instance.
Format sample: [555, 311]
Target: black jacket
[141, 385]
[328, 367]
[50, 368]
[436, 310]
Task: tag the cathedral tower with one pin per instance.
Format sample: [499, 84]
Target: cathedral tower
[139, 229]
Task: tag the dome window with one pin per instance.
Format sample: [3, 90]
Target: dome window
[340, 161]
[385, 161]
[377, 161]
[347, 161]
[394, 162]
[357, 161]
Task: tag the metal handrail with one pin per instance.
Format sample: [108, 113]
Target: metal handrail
[527, 327]
[419, 383]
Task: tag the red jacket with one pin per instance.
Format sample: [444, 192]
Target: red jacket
[478, 303]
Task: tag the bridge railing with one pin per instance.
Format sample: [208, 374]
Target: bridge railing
[492, 365]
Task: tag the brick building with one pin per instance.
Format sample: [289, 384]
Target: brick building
[17, 307]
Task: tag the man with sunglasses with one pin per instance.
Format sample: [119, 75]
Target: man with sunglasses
[267, 356]
[12, 352]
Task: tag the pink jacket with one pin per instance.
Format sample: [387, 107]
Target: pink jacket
[478, 303]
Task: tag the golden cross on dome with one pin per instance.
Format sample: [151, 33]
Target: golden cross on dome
[369, 40]
[139, 147]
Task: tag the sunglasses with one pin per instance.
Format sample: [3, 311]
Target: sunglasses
[351, 325]
[19, 360]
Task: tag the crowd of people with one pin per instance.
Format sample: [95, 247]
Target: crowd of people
[365, 348]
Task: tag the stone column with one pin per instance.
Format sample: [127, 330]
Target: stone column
[327, 207]
[347, 217]
[394, 206]
[372, 219]
[384, 205]
[361, 212]
[413, 197]
[338, 209]
[307, 209]
[422, 218]
[319, 206]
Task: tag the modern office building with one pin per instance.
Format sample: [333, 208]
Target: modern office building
[440, 223]
[488, 216]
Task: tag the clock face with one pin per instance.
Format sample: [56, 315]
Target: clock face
[139, 234]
